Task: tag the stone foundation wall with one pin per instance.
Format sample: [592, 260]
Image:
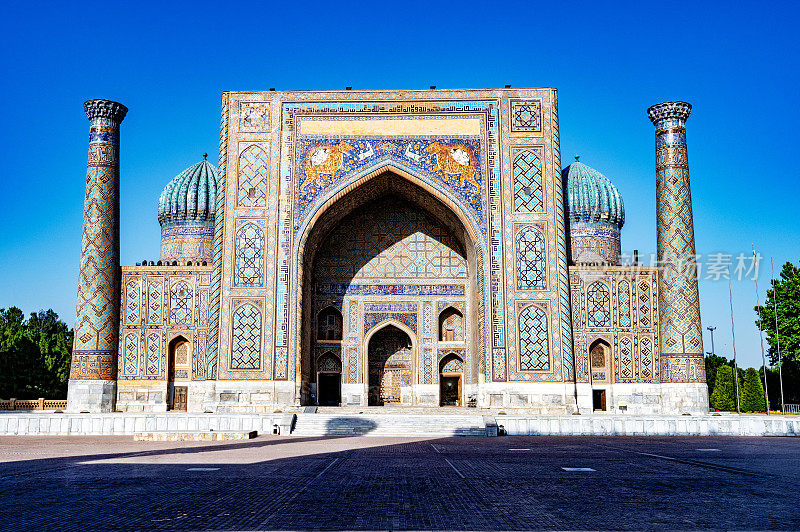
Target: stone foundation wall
[91, 395]
[541, 397]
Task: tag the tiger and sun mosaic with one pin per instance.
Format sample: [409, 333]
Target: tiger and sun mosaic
[385, 247]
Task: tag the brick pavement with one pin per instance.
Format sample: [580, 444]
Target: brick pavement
[114, 483]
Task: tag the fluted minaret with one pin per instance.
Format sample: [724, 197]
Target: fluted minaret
[92, 384]
[681, 336]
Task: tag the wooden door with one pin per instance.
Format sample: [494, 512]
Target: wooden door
[180, 398]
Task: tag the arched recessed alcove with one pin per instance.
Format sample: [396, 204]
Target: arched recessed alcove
[600, 371]
[389, 247]
[178, 372]
[390, 360]
[451, 325]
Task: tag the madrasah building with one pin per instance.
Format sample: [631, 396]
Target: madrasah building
[407, 248]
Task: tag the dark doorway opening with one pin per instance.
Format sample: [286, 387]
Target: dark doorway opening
[330, 389]
[599, 400]
[450, 391]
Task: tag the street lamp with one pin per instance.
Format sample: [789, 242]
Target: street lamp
[711, 329]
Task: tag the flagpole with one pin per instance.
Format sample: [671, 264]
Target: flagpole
[760, 330]
[777, 332]
[733, 337]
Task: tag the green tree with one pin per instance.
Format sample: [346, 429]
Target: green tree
[752, 392]
[791, 384]
[786, 292]
[713, 363]
[723, 397]
[34, 354]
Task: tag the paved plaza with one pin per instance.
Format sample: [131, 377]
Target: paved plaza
[514, 482]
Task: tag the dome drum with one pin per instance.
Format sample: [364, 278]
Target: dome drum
[185, 242]
[594, 243]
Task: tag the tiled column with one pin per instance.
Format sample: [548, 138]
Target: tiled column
[681, 337]
[92, 378]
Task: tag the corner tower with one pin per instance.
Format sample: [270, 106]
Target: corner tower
[681, 346]
[92, 384]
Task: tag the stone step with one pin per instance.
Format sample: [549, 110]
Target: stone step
[194, 435]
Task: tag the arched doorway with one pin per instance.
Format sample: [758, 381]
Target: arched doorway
[389, 364]
[388, 249]
[179, 368]
[329, 380]
[451, 377]
[599, 360]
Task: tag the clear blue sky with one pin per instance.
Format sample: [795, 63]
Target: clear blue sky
[736, 62]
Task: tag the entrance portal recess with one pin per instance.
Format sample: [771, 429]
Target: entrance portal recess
[390, 360]
[388, 252]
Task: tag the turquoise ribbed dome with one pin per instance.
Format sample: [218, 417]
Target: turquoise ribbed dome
[190, 196]
[589, 196]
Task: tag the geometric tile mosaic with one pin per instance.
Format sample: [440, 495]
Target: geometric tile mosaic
[531, 259]
[526, 116]
[533, 344]
[528, 194]
[624, 303]
[180, 303]
[253, 177]
[598, 302]
[131, 363]
[155, 301]
[246, 338]
[249, 265]
[132, 301]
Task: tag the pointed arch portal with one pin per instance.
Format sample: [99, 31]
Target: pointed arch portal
[384, 251]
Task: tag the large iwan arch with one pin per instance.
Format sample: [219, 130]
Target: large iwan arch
[411, 255]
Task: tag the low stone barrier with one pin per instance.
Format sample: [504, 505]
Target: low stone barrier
[614, 425]
[44, 423]
[119, 424]
[33, 404]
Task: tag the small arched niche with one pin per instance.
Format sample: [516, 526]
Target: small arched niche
[329, 324]
[451, 325]
[451, 377]
[599, 352]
